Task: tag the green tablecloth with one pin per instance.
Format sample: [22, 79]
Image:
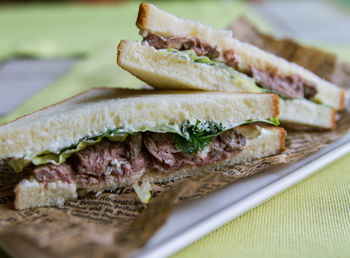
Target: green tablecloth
[310, 219]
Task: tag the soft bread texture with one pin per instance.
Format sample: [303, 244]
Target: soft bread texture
[100, 109]
[261, 142]
[31, 193]
[172, 71]
[307, 114]
[153, 20]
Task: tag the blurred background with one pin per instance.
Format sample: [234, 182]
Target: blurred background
[51, 50]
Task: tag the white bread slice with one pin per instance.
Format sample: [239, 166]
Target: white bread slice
[165, 70]
[153, 20]
[31, 193]
[97, 110]
[303, 114]
[261, 142]
[171, 71]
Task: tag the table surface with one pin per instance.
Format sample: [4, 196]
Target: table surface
[315, 207]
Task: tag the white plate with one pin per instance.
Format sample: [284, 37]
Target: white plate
[193, 219]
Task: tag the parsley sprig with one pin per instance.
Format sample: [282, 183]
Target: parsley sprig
[195, 137]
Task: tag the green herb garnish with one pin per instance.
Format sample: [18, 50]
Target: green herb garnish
[195, 137]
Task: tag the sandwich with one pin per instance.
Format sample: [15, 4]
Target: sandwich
[107, 138]
[182, 54]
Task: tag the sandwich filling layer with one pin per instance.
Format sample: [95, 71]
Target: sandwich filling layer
[292, 86]
[139, 153]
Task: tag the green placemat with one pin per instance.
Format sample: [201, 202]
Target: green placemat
[311, 219]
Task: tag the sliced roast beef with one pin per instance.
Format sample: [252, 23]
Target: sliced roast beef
[133, 146]
[109, 158]
[84, 179]
[230, 58]
[200, 47]
[51, 172]
[134, 153]
[310, 90]
[181, 43]
[286, 86]
[223, 146]
[156, 41]
[165, 157]
[95, 159]
[162, 147]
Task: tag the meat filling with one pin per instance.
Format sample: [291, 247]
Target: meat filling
[200, 47]
[286, 86]
[139, 154]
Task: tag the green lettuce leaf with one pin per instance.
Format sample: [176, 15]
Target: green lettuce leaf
[49, 157]
[274, 121]
[19, 164]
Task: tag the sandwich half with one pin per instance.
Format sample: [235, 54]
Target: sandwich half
[183, 54]
[108, 138]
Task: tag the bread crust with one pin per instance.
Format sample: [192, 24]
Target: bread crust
[342, 100]
[141, 21]
[283, 139]
[276, 102]
[120, 48]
